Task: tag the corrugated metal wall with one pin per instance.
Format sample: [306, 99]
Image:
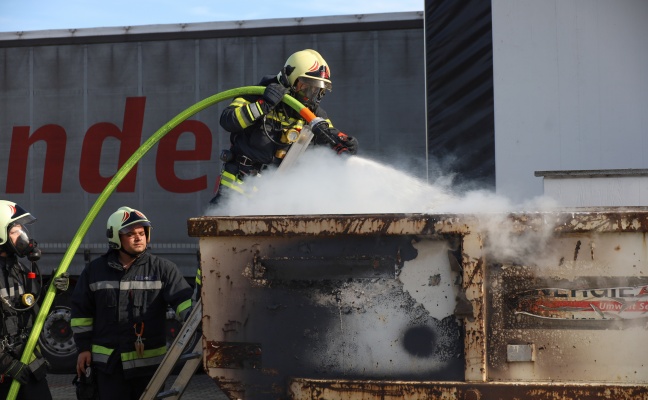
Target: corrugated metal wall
[459, 74]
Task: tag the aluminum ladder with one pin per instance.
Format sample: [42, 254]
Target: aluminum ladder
[173, 355]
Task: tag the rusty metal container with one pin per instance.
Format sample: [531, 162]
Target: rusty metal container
[409, 306]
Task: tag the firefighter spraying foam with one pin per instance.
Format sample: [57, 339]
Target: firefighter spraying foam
[324, 183]
[263, 128]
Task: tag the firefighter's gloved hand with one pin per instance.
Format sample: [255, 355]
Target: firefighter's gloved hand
[18, 371]
[62, 282]
[321, 131]
[352, 145]
[273, 94]
[86, 385]
[38, 367]
[347, 142]
[283, 77]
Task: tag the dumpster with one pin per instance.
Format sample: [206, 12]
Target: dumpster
[409, 306]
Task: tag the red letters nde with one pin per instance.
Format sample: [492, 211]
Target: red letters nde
[129, 136]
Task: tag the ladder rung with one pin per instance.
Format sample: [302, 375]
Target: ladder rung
[173, 355]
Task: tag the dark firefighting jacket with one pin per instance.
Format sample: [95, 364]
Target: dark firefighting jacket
[259, 138]
[258, 135]
[110, 304]
[17, 323]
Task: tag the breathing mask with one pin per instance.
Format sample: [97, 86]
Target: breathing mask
[22, 244]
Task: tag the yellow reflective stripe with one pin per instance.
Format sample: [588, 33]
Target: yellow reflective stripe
[231, 181]
[81, 329]
[255, 110]
[81, 325]
[232, 177]
[183, 306]
[81, 322]
[150, 357]
[242, 119]
[101, 354]
[132, 355]
[246, 112]
[142, 362]
[239, 102]
[231, 186]
[101, 350]
[199, 277]
[290, 123]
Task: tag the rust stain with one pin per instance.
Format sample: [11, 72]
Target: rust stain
[474, 269]
[305, 389]
[401, 224]
[233, 389]
[233, 355]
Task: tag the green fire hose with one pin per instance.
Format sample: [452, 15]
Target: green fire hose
[110, 188]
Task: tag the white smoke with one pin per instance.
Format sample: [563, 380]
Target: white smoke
[321, 182]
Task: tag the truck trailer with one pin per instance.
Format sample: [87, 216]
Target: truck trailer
[75, 104]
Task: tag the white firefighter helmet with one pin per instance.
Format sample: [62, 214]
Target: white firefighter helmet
[121, 220]
[12, 214]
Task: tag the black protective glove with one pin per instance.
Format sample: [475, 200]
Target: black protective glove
[273, 94]
[340, 142]
[62, 282]
[86, 385]
[322, 132]
[18, 371]
[347, 143]
[38, 367]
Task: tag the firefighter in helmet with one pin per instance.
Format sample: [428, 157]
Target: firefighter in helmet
[119, 308]
[262, 128]
[20, 289]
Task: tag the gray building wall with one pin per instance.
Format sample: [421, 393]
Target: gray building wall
[570, 88]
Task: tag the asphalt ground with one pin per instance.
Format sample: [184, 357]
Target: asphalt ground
[201, 387]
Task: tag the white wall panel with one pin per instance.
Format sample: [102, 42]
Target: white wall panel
[571, 88]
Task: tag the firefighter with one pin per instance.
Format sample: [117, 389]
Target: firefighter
[20, 289]
[262, 128]
[119, 308]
